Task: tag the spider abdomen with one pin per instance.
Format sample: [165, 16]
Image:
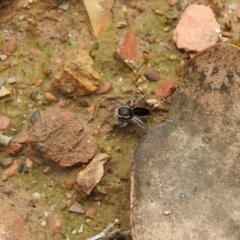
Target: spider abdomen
[139, 111]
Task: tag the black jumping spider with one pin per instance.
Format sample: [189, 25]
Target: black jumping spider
[131, 114]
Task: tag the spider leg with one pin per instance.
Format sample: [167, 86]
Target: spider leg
[121, 124]
[138, 122]
[135, 102]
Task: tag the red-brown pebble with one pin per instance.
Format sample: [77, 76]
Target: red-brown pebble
[238, 14]
[173, 3]
[91, 213]
[227, 34]
[4, 122]
[150, 39]
[14, 148]
[11, 171]
[9, 48]
[103, 88]
[152, 74]
[29, 163]
[33, 52]
[63, 32]
[129, 49]
[166, 89]
[63, 103]
[54, 224]
[69, 185]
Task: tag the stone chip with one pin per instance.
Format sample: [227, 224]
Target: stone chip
[89, 177]
[78, 75]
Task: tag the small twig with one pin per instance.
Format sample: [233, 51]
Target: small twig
[164, 45]
[104, 231]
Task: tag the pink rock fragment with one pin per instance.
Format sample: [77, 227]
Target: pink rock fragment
[196, 28]
[63, 34]
[29, 163]
[238, 14]
[33, 52]
[4, 92]
[54, 224]
[91, 212]
[166, 89]
[9, 48]
[172, 3]
[14, 148]
[11, 171]
[77, 208]
[21, 137]
[90, 176]
[4, 122]
[11, 80]
[129, 48]
[103, 88]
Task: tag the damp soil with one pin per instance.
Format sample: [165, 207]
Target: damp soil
[37, 28]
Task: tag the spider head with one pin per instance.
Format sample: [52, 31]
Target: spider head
[124, 113]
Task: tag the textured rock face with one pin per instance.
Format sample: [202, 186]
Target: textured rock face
[59, 136]
[196, 28]
[186, 174]
[77, 75]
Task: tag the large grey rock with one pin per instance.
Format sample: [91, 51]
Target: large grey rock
[186, 173]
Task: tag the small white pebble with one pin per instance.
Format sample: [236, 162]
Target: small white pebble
[63, 6]
[166, 212]
[43, 223]
[21, 18]
[117, 221]
[233, 6]
[45, 213]
[74, 232]
[69, 195]
[36, 195]
[217, 30]
[3, 57]
[88, 220]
